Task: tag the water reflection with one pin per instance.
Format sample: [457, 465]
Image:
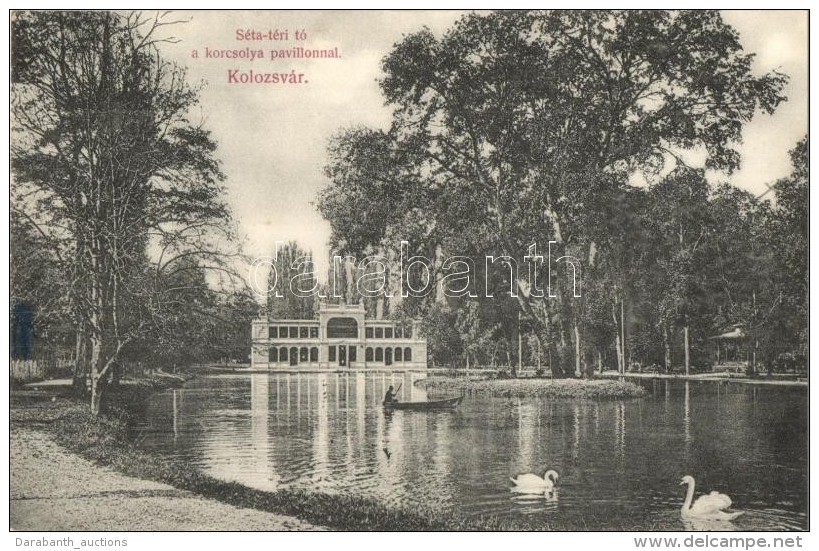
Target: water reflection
[620, 434]
[328, 432]
[526, 430]
[529, 504]
[708, 525]
[321, 440]
[687, 417]
[175, 413]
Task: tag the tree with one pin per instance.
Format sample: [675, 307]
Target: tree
[38, 289]
[680, 216]
[289, 281]
[788, 231]
[510, 129]
[444, 344]
[741, 266]
[198, 323]
[107, 164]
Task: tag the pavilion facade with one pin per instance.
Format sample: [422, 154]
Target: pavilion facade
[341, 338]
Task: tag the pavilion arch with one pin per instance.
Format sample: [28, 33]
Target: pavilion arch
[342, 328]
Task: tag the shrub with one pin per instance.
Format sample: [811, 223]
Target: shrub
[595, 389]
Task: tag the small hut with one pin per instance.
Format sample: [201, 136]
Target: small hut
[731, 349]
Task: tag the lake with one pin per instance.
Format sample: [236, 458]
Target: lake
[329, 433]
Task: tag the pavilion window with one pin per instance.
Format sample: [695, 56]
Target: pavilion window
[342, 328]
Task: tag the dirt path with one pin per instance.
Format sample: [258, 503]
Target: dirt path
[53, 489]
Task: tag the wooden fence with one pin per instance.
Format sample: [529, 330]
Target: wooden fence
[37, 370]
[26, 371]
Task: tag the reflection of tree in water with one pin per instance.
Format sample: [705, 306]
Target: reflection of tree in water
[687, 419]
[620, 435]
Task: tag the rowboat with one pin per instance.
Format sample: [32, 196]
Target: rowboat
[449, 403]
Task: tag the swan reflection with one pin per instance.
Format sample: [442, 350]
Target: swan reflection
[708, 525]
[536, 503]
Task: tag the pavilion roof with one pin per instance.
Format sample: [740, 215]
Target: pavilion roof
[737, 332]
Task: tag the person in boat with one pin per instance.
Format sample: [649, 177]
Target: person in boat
[389, 397]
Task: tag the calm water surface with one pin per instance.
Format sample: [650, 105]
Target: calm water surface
[328, 432]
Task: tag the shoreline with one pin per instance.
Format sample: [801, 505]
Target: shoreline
[103, 445]
[52, 488]
[439, 372]
[761, 380]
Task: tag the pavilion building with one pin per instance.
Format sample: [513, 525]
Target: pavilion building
[731, 350]
[341, 338]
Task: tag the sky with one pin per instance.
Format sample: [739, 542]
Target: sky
[272, 137]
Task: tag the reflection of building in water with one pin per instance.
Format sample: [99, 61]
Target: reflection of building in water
[361, 410]
[321, 433]
[341, 337]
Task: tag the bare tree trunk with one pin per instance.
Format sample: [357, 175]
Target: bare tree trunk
[578, 372]
[80, 359]
[687, 353]
[618, 345]
[94, 371]
[667, 346]
[520, 351]
[623, 332]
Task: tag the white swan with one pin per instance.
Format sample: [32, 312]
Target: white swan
[532, 484]
[708, 507]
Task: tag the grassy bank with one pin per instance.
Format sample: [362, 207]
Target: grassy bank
[105, 441]
[594, 389]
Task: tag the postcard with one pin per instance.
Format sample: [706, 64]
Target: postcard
[417, 271]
